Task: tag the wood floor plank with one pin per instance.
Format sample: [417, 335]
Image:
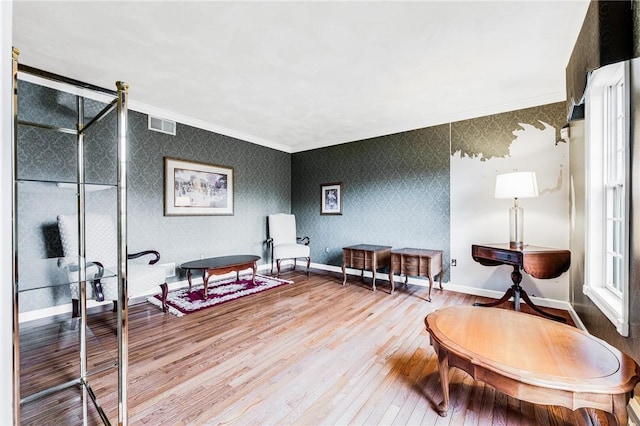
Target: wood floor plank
[472, 416]
[312, 352]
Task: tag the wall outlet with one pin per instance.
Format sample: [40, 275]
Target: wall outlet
[454, 262]
[326, 249]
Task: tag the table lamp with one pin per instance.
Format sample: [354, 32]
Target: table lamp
[516, 185]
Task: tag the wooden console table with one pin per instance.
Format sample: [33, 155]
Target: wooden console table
[539, 262]
[412, 262]
[532, 359]
[365, 256]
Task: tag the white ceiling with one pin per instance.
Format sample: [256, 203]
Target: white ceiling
[301, 75]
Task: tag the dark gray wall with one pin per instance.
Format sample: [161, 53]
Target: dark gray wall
[594, 320]
[395, 193]
[262, 186]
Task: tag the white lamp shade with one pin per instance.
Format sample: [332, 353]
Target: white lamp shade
[516, 185]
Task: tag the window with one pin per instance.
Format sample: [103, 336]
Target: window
[607, 179]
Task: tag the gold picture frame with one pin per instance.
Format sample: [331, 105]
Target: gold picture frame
[196, 189]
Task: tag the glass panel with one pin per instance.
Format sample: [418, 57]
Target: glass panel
[50, 341]
[49, 353]
[617, 275]
[46, 155]
[45, 106]
[58, 272]
[66, 407]
[92, 108]
[101, 150]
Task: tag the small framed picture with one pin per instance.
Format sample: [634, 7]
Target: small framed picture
[331, 198]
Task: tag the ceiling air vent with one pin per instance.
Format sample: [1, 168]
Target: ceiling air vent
[161, 125]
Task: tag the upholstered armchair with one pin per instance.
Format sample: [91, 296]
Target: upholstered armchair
[284, 243]
[102, 255]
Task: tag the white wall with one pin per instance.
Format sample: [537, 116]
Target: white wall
[477, 217]
[6, 251]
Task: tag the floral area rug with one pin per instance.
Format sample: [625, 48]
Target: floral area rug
[181, 301]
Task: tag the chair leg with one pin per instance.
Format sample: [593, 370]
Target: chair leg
[115, 306]
[75, 308]
[278, 262]
[97, 290]
[308, 264]
[271, 244]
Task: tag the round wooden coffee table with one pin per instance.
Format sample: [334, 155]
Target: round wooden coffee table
[532, 358]
[221, 265]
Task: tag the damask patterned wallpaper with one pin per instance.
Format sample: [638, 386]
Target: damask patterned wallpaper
[262, 186]
[395, 193]
[396, 188]
[492, 136]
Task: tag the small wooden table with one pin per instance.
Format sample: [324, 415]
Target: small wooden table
[221, 265]
[539, 262]
[365, 256]
[532, 358]
[412, 262]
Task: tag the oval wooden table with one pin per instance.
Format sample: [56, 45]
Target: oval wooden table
[532, 358]
[221, 265]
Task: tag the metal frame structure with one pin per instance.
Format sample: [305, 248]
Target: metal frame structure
[119, 103]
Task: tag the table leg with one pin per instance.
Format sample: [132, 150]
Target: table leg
[189, 279]
[430, 286]
[374, 268]
[344, 274]
[508, 294]
[205, 282]
[253, 276]
[516, 277]
[530, 303]
[443, 371]
[393, 285]
[517, 292]
[620, 408]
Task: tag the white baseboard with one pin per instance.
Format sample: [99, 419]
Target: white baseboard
[475, 291]
[550, 303]
[55, 310]
[66, 308]
[539, 301]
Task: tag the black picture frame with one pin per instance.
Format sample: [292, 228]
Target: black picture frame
[331, 198]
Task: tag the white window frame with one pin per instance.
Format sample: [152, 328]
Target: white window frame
[607, 172]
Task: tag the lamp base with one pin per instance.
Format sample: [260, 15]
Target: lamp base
[516, 217]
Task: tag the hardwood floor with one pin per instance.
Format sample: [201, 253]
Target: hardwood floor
[312, 352]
